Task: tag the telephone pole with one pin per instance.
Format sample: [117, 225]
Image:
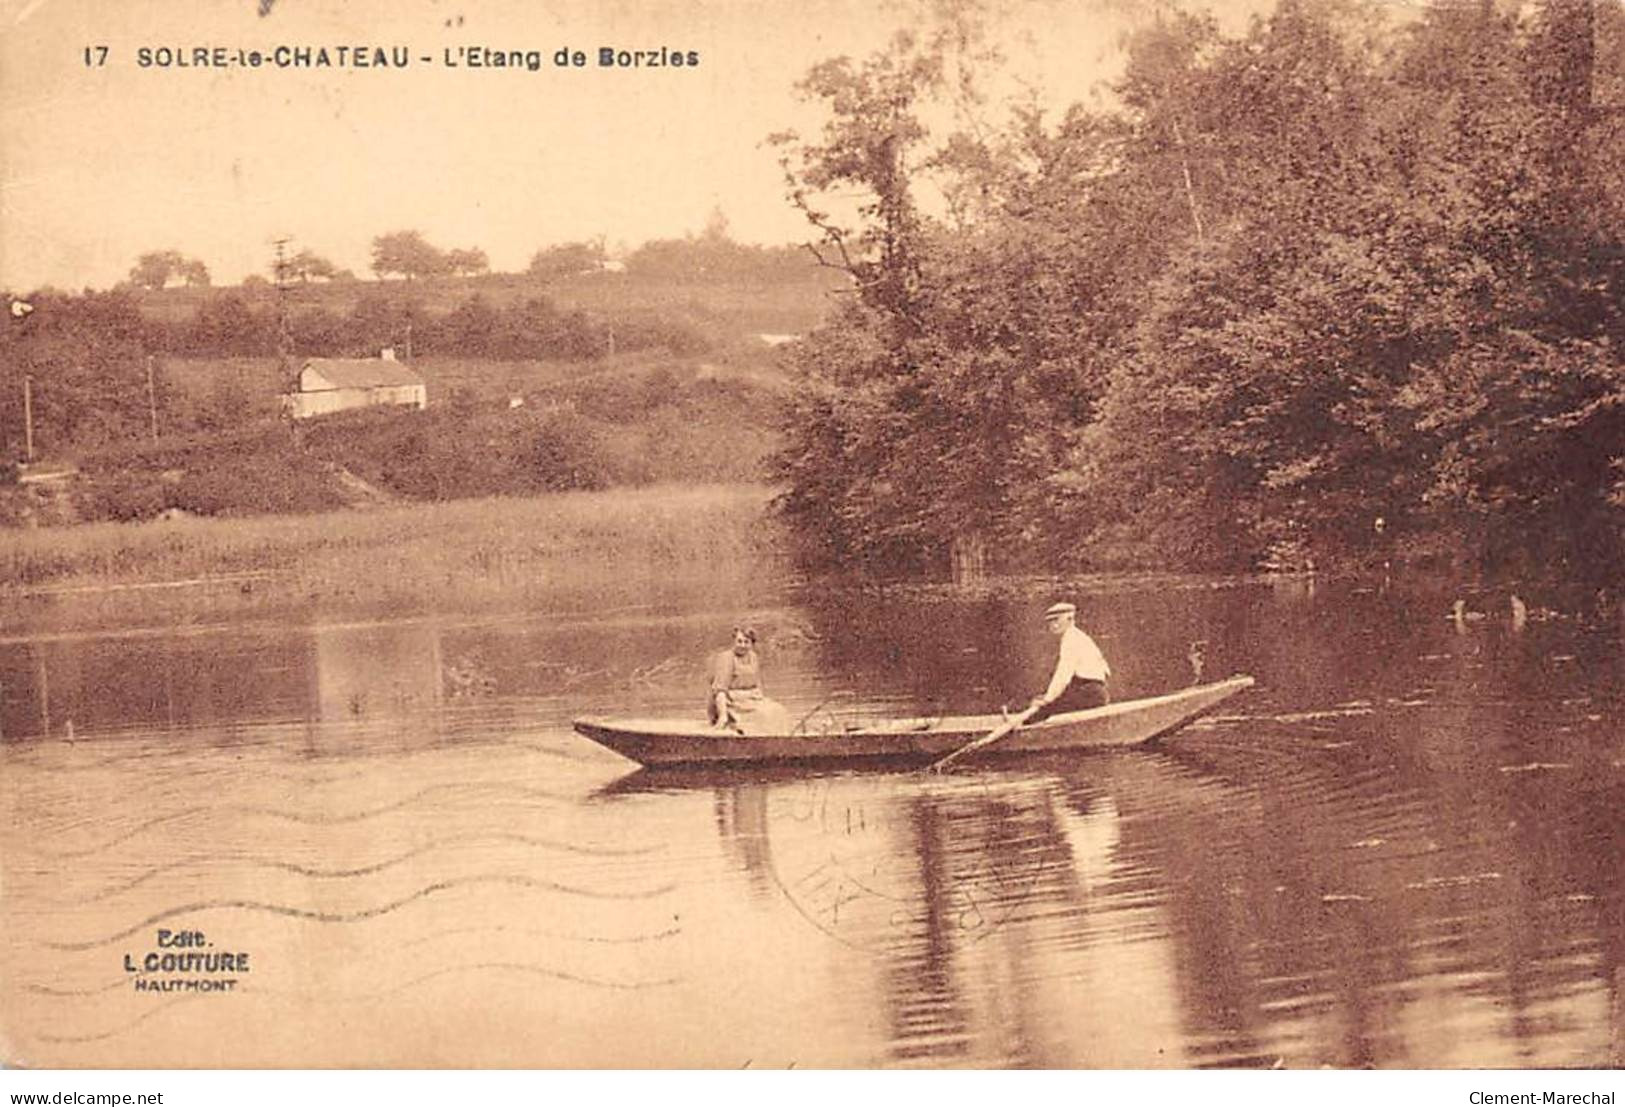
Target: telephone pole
[152, 400]
[28, 414]
[284, 340]
[19, 311]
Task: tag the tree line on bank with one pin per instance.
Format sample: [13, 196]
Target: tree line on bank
[410, 256]
[710, 254]
[1328, 290]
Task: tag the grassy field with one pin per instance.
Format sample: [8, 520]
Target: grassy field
[467, 554]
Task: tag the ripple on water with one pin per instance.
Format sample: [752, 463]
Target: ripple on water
[1365, 861]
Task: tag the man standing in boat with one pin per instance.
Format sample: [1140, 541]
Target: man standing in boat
[1081, 670]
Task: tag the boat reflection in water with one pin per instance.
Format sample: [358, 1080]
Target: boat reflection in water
[985, 916]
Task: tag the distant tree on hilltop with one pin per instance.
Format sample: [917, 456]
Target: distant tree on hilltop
[467, 263]
[713, 254]
[408, 254]
[567, 258]
[194, 273]
[156, 269]
[307, 264]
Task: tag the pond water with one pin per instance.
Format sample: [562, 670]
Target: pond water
[1401, 848]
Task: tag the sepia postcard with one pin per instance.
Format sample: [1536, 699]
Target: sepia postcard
[1062, 534]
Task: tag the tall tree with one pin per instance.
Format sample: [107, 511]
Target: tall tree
[567, 259]
[874, 144]
[467, 263]
[307, 265]
[156, 269]
[194, 273]
[408, 254]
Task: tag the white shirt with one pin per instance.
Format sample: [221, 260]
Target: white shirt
[1081, 658]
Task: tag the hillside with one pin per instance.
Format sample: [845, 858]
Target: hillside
[678, 379]
[622, 426]
[170, 398]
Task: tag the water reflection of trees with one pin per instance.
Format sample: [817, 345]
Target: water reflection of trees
[1385, 912]
[1149, 910]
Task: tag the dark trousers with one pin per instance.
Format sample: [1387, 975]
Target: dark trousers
[1080, 695]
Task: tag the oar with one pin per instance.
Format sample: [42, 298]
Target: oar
[985, 740]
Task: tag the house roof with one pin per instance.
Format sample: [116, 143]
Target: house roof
[362, 372]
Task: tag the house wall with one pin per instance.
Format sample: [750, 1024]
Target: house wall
[304, 405]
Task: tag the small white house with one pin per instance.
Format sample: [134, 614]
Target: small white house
[329, 384]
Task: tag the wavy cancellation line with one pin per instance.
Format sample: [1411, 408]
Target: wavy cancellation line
[228, 738]
[550, 935]
[157, 757]
[194, 863]
[124, 1028]
[241, 811]
[56, 992]
[184, 777]
[365, 913]
[517, 967]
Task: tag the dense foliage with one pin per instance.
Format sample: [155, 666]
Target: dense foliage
[1331, 289]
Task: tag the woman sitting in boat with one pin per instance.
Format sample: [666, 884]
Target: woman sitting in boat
[737, 702]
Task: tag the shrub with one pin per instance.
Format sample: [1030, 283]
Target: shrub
[122, 496]
[255, 485]
[567, 454]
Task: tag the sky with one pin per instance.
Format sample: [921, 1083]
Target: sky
[103, 159]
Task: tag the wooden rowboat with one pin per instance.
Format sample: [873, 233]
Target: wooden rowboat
[672, 742]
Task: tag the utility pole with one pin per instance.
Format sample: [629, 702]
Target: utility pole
[19, 310]
[284, 341]
[28, 414]
[152, 400]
